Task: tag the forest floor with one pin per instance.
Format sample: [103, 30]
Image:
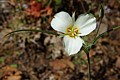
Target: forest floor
[40, 56]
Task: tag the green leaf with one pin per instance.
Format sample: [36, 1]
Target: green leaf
[14, 65]
[2, 60]
[39, 0]
[101, 11]
[58, 2]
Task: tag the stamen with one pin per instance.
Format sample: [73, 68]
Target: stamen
[72, 31]
[69, 30]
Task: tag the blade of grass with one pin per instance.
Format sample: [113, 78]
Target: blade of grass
[43, 31]
[103, 34]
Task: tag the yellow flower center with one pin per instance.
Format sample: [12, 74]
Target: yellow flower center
[72, 31]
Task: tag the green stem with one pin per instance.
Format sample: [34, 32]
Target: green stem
[43, 31]
[115, 28]
[89, 72]
[82, 5]
[88, 60]
[96, 35]
[98, 28]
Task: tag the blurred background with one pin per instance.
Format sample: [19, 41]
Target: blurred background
[40, 56]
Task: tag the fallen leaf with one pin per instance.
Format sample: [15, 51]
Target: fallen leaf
[57, 64]
[34, 9]
[62, 64]
[10, 73]
[68, 63]
[118, 62]
[12, 2]
[14, 78]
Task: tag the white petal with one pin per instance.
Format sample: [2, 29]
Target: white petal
[82, 19]
[72, 45]
[86, 24]
[61, 21]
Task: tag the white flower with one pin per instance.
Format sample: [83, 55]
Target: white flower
[72, 29]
